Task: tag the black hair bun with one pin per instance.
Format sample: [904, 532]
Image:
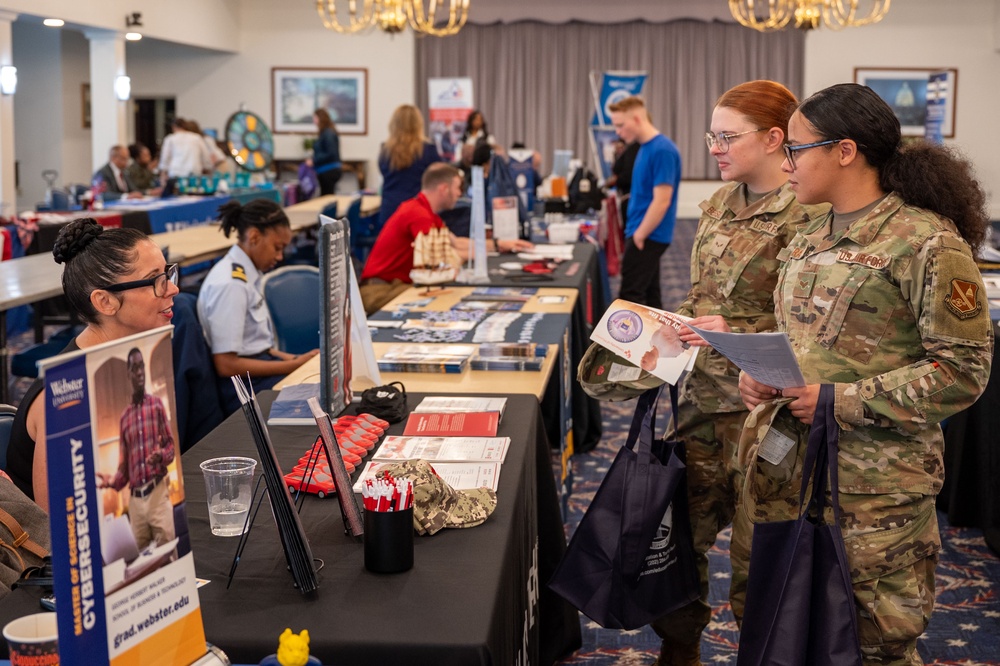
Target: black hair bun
[74, 238]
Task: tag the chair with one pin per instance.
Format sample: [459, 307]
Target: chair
[292, 296]
[25, 363]
[199, 408]
[364, 231]
[7, 413]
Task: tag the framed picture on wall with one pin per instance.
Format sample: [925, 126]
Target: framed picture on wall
[905, 90]
[296, 93]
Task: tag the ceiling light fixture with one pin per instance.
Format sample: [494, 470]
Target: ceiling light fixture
[347, 17]
[433, 21]
[773, 15]
[54, 23]
[440, 18]
[133, 36]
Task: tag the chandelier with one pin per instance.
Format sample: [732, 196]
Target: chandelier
[771, 15]
[429, 17]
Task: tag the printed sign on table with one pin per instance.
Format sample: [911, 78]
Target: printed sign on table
[124, 573]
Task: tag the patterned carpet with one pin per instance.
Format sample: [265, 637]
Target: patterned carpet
[965, 627]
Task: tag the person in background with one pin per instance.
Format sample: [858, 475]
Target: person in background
[215, 154]
[652, 207]
[387, 272]
[145, 448]
[403, 158]
[882, 299]
[475, 133]
[117, 282]
[734, 267]
[142, 170]
[621, 174]
[326, 153]
[117, 184]
[231, 305]
[184, 153]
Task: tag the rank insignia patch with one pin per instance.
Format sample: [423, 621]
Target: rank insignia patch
[239, 273]
[963, 301]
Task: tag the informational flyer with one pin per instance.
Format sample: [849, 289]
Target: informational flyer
[126, 592]
[646, 337]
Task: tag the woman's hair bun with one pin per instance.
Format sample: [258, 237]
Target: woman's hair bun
[74, 238]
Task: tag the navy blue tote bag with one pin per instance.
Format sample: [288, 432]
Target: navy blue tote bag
[800, 604]
[631, 559]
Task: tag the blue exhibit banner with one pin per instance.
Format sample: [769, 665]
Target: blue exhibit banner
[604, 146]
[938, 94]
[614, 86]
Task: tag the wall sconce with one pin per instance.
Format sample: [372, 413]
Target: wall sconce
[123, 88]
[8, 79]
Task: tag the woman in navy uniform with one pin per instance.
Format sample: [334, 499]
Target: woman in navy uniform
[231, 304]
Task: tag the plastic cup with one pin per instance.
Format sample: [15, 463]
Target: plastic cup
[229, 487]
[33, 640]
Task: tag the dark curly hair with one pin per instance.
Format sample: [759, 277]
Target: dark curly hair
[925, 175]
[94, 257]
[263, 214]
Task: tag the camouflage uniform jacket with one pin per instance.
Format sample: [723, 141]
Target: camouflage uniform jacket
[893, 311]
[734, 267]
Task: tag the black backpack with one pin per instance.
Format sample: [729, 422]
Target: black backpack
[584, 192]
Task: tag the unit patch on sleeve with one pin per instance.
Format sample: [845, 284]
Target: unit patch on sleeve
[963, 300]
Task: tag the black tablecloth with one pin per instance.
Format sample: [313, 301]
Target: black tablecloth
[582, 273]
[474, 596]
[970, 495]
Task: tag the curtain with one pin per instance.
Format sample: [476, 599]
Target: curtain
[531, 80]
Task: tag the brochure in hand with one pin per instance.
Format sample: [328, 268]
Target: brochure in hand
[126, 591]
[647, 337]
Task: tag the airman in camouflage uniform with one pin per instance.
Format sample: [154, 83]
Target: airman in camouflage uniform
[734, 267]
[892, 311]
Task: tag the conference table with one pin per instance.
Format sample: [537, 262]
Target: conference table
[150, 215]
[474, 596]
[970, 496]
[584, 274]
[309, 211]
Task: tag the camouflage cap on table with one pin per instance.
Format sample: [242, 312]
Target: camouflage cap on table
[437, 505]
[607, 376]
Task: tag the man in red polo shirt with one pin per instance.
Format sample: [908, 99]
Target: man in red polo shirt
[387, 272]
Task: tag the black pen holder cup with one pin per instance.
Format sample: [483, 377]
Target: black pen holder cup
[389, 541]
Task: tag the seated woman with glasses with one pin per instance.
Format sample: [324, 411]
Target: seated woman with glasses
[231, 304]
[117, 282]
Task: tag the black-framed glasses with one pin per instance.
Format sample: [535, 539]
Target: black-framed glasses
[158, 282]
[790, 150]
[722, 139]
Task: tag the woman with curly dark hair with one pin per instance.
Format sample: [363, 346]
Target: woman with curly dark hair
[117, 282]
[882, 299]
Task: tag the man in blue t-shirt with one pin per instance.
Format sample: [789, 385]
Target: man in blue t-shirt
[652, 208]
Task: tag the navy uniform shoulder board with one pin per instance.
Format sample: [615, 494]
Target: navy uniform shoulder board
[239, 273]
